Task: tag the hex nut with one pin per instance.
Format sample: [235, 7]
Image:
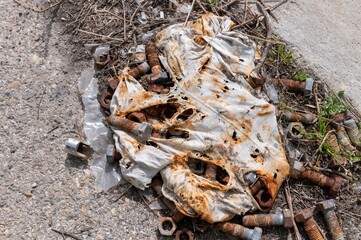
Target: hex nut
[308, 87]
[326, 205]
[287, 218]
[304, 215]
[335, 188]
[162, 230]
[179, 233]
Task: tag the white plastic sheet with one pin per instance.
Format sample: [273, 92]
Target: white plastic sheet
[228, 125]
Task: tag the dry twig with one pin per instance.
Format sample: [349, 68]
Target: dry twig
[63, 233]
[289, 202]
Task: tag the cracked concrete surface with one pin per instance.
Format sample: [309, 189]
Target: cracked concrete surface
[327, 35]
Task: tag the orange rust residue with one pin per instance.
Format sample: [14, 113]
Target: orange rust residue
[266, 128]
[266, 109]
[260, 159]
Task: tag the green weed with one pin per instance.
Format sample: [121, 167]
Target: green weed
[301, 75]
[282, 55]
[333, 105]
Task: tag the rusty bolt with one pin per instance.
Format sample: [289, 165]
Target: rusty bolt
[140, 70]
[184, 234]
[143, 130]
[240, 231]
[343, 139]
[327, 207]
[305, 118]
[332, 183]
[353, 132]
[167, 226]
[105, 99]
[296, 86]
[283, 218]
[295, 129]
[152, 56]
[305, 217]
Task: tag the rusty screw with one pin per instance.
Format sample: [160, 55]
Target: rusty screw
[305, 118]
[333, 183]
[327, 207]
[240, 231]
[184, 234]
[152, 56]
[139, 70]
[143, 130]
[305, 217]
[281, 218]
[296, 86]
[343, 139]
[167, 226]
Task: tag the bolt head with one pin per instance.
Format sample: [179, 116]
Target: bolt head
[167, 232]
[326, 205]
[257, 233]
[250, 178]
[304, 215]
[144, 130]
[287, 218]
[296, 169]
[308, 87]
[336, 186]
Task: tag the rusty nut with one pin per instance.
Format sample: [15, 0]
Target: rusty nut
[184, 234]
[167, 226]
[304, 215]
[287, 218]
[337, 184]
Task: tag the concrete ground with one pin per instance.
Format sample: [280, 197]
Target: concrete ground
[327, 35]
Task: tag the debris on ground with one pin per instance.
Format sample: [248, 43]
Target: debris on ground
[190, 105]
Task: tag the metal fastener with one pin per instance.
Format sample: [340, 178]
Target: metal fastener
[240, 231]
[77, 148]
[308, 87]
[152, 56]
[113, 83]
[305, 118]
[281, 218]
[260, 193]
[353, 132]
[184, 234]
[167, 226]
[328, 210]
[332, 183]
[305, 217]
[142, 130]
[139, 70]
[296, 86]
[251, 178]
[343, 139]
[105, 100]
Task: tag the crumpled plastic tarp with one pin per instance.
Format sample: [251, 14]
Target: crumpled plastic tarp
[227, 124]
